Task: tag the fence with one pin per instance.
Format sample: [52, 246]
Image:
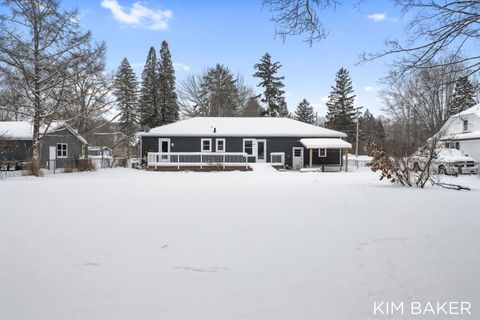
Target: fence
[179, 159]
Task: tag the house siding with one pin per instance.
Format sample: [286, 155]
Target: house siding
[16, 150]
[74, 147]
[235, 144]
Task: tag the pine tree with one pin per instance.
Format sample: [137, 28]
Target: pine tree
[341, 113]
[272, 86]
[149, 108]
[167, 96]
[305, 113]
[125, 90]
[463, 96]
[379, 133]
[219, 93]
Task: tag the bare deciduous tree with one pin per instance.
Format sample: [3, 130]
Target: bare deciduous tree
[298, 17]
[436, 28]
[194, 101]
[419, 103]
[40, 50]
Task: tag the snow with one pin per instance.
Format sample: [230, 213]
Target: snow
[325, 143]
[19, 130]
[475, 110]
[129, 244]
[245, 127]
[23, 130]
[463, 136]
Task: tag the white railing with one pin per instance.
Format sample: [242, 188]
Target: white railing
[179, 159]
[277, 158]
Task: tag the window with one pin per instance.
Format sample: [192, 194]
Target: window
[465, 125]
[322, 153]
[457, 145]
[248, 147]
[297, 152]
[220, 147]
[62, 150]
[206, 145]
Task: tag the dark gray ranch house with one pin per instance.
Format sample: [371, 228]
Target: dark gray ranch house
[59, 143]
[234, 143]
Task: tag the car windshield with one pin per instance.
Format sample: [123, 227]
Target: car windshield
[445, 153]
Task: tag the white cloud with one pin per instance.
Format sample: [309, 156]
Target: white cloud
[378, 16]
[182, 66]
[369, 88]
[139, 15]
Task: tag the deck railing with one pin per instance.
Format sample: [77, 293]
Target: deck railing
[277, 158]
[179, 159]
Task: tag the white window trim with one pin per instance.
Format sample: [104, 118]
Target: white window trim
[66, 150]
[253, 146]
[209, 145]
[319, 153]
[224, 145]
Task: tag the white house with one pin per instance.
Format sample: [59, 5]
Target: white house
[462, 131]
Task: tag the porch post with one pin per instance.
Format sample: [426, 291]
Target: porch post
[311, 158]
[346, 160]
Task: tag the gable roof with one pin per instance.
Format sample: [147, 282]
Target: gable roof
[23, 130]
[242, 127]
[475, 110]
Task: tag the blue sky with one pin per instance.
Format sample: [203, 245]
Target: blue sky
[238, 33]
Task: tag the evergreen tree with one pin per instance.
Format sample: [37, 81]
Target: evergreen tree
[379, 133]
[219, 93]
[149, 108]
[167, 96]
[125, 90]
[463, 96]
[252, 108]
[305, 113]
[341, 113]
[272, 86]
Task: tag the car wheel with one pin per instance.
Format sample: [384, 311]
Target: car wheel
[442, 170]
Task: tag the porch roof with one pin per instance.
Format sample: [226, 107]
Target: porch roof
[325, 143]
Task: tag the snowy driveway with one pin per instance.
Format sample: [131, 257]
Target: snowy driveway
[126, 244]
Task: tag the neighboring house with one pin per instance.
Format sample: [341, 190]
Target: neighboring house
[235, 142]
[102, 157]
[462, 132]
[59, 144]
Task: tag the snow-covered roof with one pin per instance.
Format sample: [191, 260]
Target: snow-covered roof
[242, 127]
[462, 136]
[333, 143]
[18, 130]
[23, 130]
[475, 110]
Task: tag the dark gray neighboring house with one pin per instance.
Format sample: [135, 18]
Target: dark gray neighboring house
[59, 144]
[235, 141]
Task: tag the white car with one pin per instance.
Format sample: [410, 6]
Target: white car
[447, 161]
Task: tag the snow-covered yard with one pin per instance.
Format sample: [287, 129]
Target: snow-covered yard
[127, 244]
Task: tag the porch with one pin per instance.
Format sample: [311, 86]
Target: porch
[205, 160]
[321, 146]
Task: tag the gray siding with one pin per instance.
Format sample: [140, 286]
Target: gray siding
[74, 146]
[16, 150]
[235, 144]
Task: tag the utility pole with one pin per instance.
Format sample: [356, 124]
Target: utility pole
[356, 144]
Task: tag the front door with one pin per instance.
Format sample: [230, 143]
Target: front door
[164, 149]
[261, 150]
[52, 157]
[297, 158]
